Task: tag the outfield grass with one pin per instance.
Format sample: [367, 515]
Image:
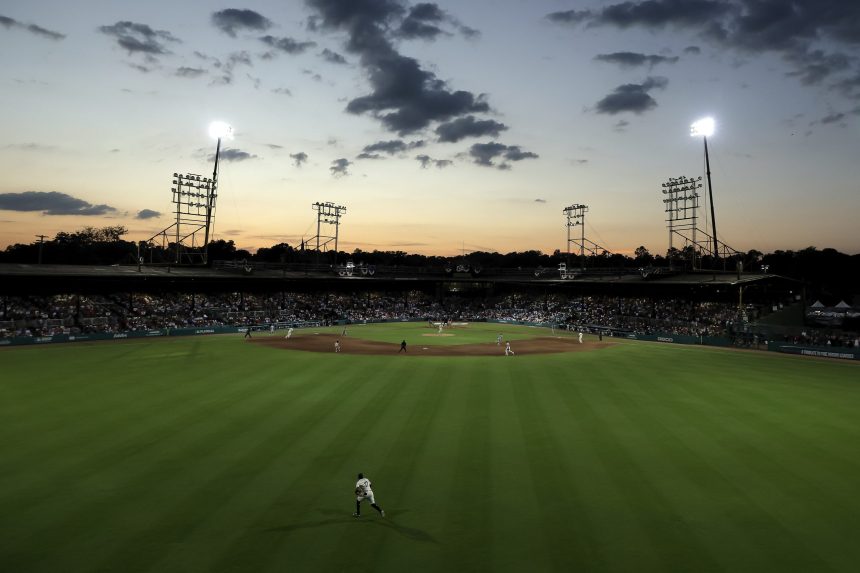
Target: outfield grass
[210, 454]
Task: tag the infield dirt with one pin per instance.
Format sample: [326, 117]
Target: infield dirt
[348, 345]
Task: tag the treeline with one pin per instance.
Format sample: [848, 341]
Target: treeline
[833, 274]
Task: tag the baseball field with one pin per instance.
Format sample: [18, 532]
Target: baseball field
[224, 454]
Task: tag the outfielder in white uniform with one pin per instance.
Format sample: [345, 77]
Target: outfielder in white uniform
[362, 492]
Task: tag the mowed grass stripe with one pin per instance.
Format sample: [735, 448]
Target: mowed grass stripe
[395, 448]
[764, 480]
[646, 469]
[117, 435]
[328, 458]
[699, 487]
[569, 543]
[82, 417]
[221, 467]
[619, 538]
[149, 482]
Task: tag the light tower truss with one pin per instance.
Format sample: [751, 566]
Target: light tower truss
[682, 210]
[194, 197]
[327, 214]
[575, 215]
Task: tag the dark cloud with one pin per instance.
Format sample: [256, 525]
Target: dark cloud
[339, 167]
[332, 57]
[634, 59]
[51, 203]
[186, 72]
[231, 154]
[487, 153]
[404, 96]
[366, 155]
[540, 200]
[282, 91]
[693, 50]
[314, 75]
[468, 126]
[794, 29]
[10, 23]
[139, 38]
[233, 20]
[390, 147]
[147, 214]
[426, 161]
[659, 13]
[569, 16]
[621, 125]
[631, 97]
[814, 66]
[299, 158]
[832, 118]
[287, 45]
[422, 22]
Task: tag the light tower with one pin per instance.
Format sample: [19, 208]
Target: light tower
[705, 128]
[575, 215]
[682, 208]
[217, 130]
[194, 197]
[329, 214]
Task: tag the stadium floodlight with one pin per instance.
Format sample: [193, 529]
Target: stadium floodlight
[704, 127]
[220, 130]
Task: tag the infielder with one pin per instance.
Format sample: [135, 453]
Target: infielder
[289, 332]
[362, 492]
[508, 351]
[440, 328]
[580, 337]
[337, 345]
[499, 340]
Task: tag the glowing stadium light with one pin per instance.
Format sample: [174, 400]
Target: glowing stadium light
[704, 127]
[220, 130]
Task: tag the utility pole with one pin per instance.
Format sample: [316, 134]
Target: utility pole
[41, 243]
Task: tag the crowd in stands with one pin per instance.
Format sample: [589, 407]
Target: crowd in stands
[123, 312]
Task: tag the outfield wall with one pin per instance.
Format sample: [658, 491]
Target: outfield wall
[819, 351]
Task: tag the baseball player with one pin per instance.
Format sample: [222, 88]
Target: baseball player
[272, 328]
[580, 337]
[248, 332]
[440, 328]
[499, 339]
[362, 492]
[508, 351]
[289, 332]
[402, 347]
[337, 345]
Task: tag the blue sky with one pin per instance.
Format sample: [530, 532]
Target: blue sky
[438, 125]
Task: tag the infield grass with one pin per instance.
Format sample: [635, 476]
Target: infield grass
[210, 454]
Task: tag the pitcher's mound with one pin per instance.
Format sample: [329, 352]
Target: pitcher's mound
[325, 343]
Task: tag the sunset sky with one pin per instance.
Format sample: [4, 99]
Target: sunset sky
[440, 126]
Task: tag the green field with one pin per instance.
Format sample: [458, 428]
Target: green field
[212, 454]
